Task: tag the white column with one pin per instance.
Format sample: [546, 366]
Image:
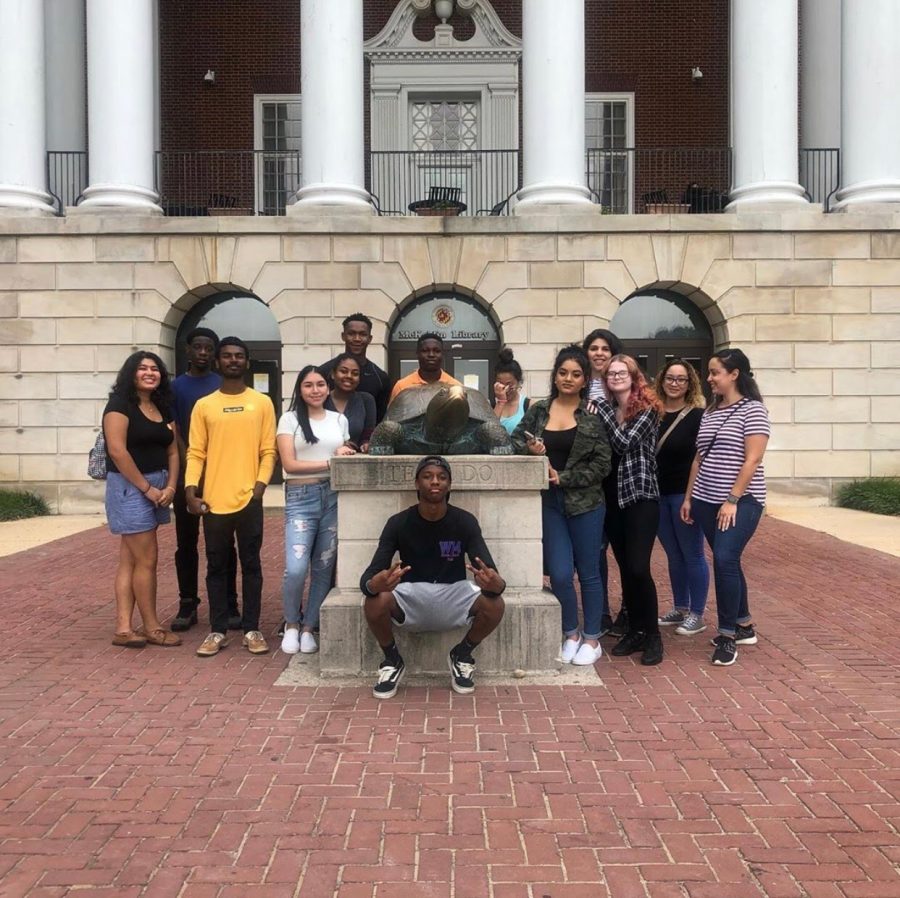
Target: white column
[121, 96]
[331, 86]
[764, 103]
[553, 103]
[870, 110]
[23, 140]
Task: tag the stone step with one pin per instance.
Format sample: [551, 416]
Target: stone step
[527, 639]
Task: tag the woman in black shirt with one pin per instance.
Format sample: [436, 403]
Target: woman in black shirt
[142, 470]
[678, 386]
[345, 397]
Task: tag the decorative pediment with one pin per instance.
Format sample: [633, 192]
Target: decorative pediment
[491, 41]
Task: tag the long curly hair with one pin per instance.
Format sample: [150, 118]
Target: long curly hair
[694, 395]
[641, 395]
[125, 389]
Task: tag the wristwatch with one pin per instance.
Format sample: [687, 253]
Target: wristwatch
[733, 499]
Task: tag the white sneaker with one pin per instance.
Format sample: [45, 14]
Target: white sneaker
[290, 642]
[588, 654]
[308, 644]
[569, 649]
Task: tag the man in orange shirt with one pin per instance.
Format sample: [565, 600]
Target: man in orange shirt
[430, 353]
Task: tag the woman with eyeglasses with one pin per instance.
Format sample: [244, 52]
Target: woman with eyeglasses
[572, 507]
[726, 490]
[678, 386]
[631, 418]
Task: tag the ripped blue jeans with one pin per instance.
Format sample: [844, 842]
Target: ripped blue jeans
[310, 544]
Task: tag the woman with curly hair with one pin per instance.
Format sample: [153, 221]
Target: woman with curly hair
[678, 386]
[631, 418]
[142, 471]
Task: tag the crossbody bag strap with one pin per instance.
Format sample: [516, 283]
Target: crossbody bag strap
[712, 443]
[681, 416]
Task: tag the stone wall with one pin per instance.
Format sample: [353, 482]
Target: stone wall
[814, 299]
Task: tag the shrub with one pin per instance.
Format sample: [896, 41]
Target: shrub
[17, 504]
[879, 495]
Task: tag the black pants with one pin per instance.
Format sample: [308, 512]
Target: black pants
[632, 532]
[187, 558]
[219, 531]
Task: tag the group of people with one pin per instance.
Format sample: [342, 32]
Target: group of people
[626, 462]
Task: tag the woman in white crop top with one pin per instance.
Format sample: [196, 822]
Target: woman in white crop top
[308, 438]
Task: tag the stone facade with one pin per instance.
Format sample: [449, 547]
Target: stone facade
[814, 300]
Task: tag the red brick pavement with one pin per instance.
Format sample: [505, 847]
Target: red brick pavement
[155, 773]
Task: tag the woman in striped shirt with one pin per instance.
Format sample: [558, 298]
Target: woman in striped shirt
[726, 490]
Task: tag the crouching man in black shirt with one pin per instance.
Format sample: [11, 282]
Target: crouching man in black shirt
[426, 590]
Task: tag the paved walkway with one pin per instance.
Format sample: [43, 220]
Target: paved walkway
[156, 773]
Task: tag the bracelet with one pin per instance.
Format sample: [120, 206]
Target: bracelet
[500, 401]
[733, 499]
[149, 487]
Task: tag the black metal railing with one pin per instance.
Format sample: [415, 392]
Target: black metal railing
[226, 182]
[820, 174]
[660, 179]
[67, 177]
[404, 182]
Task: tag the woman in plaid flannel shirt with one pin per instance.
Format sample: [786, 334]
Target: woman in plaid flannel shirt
[631, 418]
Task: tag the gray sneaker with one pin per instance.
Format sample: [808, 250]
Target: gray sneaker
[692, 624]
[670, 618]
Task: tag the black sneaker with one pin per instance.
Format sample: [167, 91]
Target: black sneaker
[745, 635]
[281, 626]
[726, 651]
[462, 674]
[620, 624]
[389, 676]
[606, 625]
[653, 650]
[187, 615]
[631, 642]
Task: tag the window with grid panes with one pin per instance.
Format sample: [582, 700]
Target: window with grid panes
[278, 169]
[444, 124]
[606, 140]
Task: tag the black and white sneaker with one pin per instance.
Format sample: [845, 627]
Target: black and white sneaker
[745, 635]
[462, 674]
[620, 624]
[606, 625]
[389, 677]
[726, 651]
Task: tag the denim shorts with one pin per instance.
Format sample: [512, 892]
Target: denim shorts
[128, 510]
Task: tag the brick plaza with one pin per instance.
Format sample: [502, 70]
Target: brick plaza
[155, 773]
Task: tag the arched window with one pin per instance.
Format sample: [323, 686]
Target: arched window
[659, 324]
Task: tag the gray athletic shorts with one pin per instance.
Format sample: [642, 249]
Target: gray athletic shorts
[435, 607]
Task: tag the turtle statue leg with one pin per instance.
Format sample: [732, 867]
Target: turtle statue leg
[385, 438]
[493, 438]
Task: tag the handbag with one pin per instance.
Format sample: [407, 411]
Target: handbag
[671, 427]
[96, 467]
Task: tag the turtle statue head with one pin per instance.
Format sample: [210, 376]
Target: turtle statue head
[447, 415]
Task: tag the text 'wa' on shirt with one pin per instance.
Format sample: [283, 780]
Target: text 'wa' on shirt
[232, 445]
[725, 430]
[331, 432]
[434, 550]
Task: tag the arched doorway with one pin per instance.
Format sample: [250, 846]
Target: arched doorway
[660, 324]
[471, 340]
[234, 313]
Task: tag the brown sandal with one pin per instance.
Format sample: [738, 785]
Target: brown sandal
[162, 637]
[130, 640]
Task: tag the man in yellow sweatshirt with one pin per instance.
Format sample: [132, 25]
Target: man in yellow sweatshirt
[232, 447]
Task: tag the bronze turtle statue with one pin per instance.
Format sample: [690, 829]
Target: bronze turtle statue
[440, 419]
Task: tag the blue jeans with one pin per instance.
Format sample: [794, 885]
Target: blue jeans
[727, 546]
[683, 544]
[310, 544]
[572, 544]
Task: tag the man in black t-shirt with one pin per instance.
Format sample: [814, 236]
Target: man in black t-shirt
[357, 335]
[426, 590]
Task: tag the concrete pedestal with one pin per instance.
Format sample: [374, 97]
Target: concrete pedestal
[504, 494]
